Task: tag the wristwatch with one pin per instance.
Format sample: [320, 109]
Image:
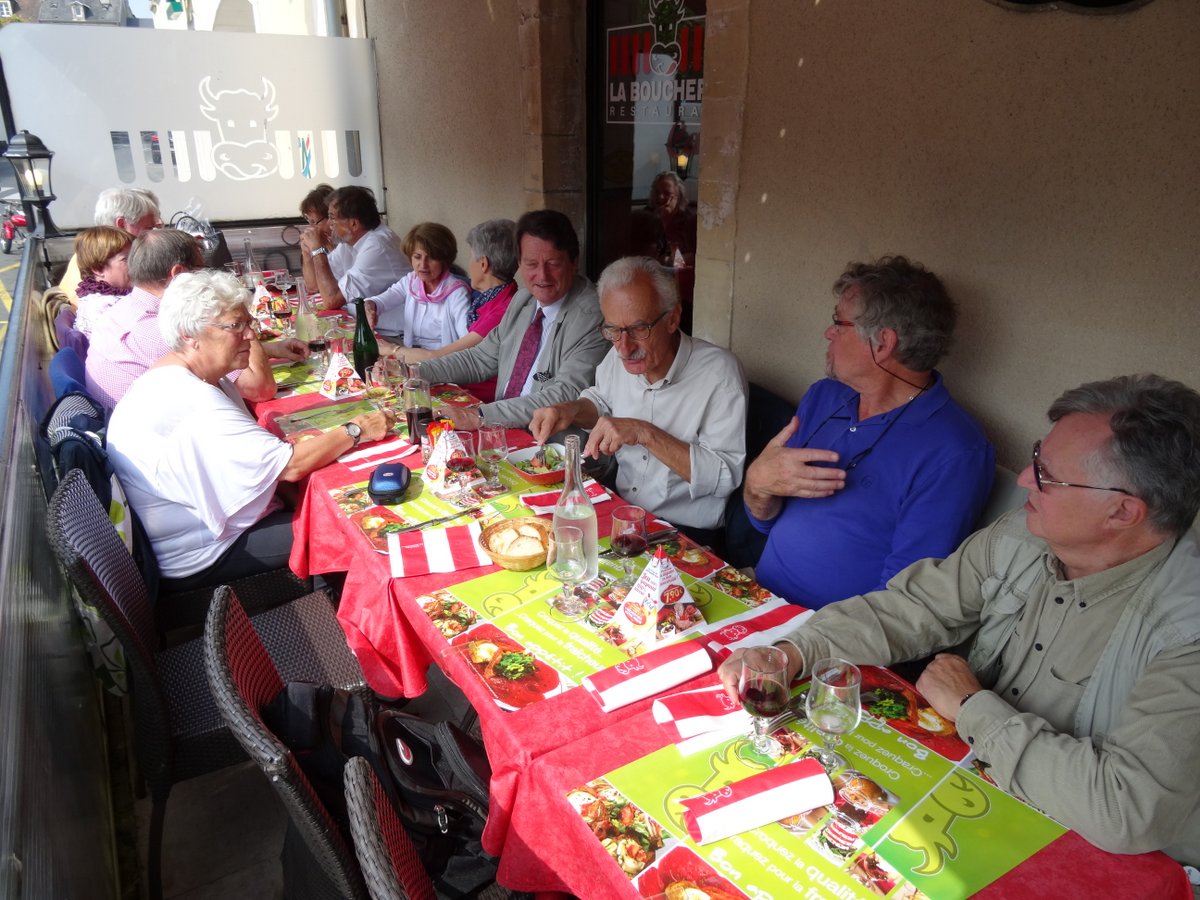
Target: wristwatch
[354, 430]
[320, 251]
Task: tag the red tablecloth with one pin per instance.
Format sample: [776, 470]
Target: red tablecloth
[543, 824]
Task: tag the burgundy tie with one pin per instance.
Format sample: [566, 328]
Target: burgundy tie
[525, 356]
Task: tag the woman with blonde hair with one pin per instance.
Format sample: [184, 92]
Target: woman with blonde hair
[103, 255]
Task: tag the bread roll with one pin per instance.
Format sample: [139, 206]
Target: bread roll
[525, 546]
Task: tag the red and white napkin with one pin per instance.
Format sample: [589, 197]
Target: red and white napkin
[544, 502]
[436, 550]
[771, 622]
[647, 675]
[758, 800]
[689, 713]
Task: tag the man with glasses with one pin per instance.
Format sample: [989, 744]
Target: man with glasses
[133, 210]
[127, 340]
[879, 467]
[1082, 614]
[670, 407]
[351, 253]
[546, 348]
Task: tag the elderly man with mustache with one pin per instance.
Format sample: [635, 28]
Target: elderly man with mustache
[670, 407]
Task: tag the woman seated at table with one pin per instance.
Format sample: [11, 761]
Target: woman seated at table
[103, 256]
[198, 469]
[429, 305]
[493, 266]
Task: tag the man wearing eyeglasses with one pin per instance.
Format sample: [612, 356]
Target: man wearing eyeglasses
[351, 253]
[671, 408]
[879, 467]
[546, 348]
[127, 340]
[1080, 689]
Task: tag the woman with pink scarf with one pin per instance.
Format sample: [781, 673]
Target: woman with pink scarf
[430, 306]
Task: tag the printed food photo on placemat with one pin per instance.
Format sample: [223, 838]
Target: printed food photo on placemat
[515, 676]
[376, 523]
[449, 614]
[898, 703]
[741, 587]
[629, 835]
[688, 556]
[682, 875]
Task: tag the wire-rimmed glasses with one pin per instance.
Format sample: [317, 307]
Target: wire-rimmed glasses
[1039, 476]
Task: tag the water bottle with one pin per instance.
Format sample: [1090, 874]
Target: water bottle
[574, 507]
[366, 348]
[308, 328]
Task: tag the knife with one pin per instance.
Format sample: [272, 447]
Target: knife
[416, 526]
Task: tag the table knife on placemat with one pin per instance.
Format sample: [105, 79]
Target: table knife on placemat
[418, 525]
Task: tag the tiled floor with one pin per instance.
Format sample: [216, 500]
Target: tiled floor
[224, 831]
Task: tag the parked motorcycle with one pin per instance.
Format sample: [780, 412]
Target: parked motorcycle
[13, 226]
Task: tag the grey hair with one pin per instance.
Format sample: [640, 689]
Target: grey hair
[622, 273]
[497, 240]
[677, 183]
[154, 253]
[907, 298]
[196, 299]
[128, 203]
[1155, 444]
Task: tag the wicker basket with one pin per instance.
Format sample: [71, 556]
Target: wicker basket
[516, 563]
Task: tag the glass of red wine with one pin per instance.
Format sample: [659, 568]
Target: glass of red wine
[461, 464]
[628, 538]
[763, 690]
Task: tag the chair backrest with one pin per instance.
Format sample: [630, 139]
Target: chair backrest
[243, 679]
[102, 571]
[53, 300]
[385, 852]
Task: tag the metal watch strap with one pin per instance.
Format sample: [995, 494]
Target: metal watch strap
[320, 251]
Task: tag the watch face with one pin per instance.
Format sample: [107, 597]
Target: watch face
[353, 429]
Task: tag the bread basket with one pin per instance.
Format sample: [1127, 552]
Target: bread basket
[518, 562]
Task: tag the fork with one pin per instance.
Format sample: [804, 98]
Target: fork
[794, 713]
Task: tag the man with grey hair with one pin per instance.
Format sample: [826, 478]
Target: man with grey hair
[127, 340]
[672, 408]
[879, 467]
[1079, 691]
[133, 210]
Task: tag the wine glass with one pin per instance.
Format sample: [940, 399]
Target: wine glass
[377, 386]
[461, 463]
[833, 705]
[763, 691]
[567, 562]
[628, 538]
[493, 449]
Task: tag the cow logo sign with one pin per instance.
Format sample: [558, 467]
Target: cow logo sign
[243, 152]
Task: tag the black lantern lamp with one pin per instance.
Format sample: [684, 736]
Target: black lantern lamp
[681, 148]
[31, 161]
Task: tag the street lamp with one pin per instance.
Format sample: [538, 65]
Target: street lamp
[31, 161]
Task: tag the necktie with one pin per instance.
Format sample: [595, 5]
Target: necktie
[525, 356]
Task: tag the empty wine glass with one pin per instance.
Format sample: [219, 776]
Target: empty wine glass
[833, 705]
[628, 537]
[763, 691]
[566, 561]
[461, 464]
[492, 447]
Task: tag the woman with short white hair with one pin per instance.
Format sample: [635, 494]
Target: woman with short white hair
[197, 468]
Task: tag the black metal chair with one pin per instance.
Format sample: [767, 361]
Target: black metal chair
[385, 852]
[178, 731]
[317, 863]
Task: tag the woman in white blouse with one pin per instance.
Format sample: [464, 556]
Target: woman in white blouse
[431, 305]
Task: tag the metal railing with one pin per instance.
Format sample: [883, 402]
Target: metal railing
[56, 831]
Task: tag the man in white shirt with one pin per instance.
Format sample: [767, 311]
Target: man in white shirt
[351, 254]
[672, 408]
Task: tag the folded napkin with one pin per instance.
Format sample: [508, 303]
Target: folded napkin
[436, 550]
[544, 502]
[394, 446]
[758, 800]
[689, 713]
[763, 626]
[646, 675]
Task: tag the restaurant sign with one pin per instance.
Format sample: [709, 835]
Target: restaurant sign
[655, 70]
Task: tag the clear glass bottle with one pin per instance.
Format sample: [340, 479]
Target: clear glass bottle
[575, 508]
[308, 328]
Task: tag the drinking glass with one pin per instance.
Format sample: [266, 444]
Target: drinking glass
[628, 538]
[493, 449]
[567, 562]
[833, 705]
[377, 386]
[763, 691]
[461, 464]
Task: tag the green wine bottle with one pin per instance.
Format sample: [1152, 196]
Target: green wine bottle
[366, 348]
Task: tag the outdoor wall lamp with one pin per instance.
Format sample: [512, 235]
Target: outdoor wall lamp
[681, 149]
[31, 162]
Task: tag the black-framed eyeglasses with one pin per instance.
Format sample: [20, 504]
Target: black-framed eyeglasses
[840, 323]
[639, 332]
[316, 221]
[236, 327]
[1040, 479]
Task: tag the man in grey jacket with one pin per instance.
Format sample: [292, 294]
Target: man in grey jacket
[1080, 687]
[546, 348]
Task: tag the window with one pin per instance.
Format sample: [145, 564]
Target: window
[79, 11]
[6, 8]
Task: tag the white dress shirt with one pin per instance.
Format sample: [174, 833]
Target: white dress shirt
[370, 266]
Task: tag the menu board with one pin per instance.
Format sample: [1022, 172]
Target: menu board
[913, 816]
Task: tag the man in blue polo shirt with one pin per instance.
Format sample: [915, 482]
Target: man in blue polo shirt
[879, 467]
